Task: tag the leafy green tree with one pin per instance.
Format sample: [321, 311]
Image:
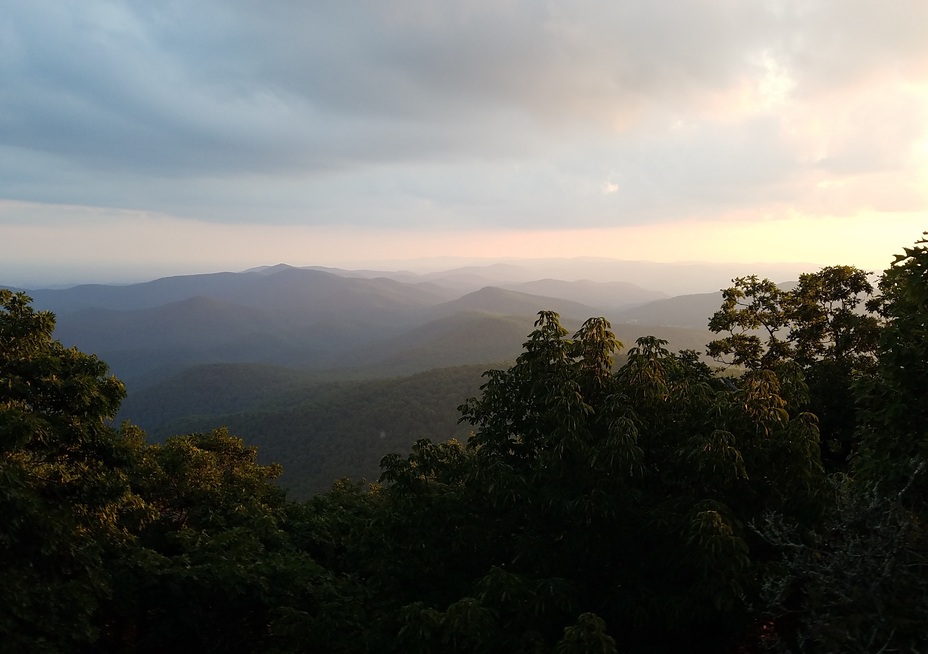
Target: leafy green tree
[213, 563]
[339, 610]
[820, 319]
[893, 452]
[588, 636]
[860, 584]
[752, 310]
[111, 544]
[63, 486]
[820, 325]
[827, 318]
[622, 496]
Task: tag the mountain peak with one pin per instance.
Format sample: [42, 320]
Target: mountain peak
[270, 270]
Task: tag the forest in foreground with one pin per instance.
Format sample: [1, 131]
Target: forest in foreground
[649, 505]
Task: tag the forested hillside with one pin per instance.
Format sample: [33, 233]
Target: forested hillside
[323, 430]
[611, 498]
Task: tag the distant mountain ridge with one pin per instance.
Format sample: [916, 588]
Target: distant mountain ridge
[681, 311]
[492, 299]
[668, 279]
[671, 279]
[283, 288]
[609, 295]
[315, 365]
[328, 319]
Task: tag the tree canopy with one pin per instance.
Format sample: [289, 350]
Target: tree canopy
[63, 486]
[823, 325]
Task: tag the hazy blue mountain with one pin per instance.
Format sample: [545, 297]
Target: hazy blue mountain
[610, 296]
[282, 289]
[472, 278]
[193, 322]
[280, 315]
[680, 311]
[144, 345]
[461, 280]
[513, 303]
[462, 338]
[314, 319]
[138, 296]
[678, 278]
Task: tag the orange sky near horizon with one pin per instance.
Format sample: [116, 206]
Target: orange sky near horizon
[167, 245]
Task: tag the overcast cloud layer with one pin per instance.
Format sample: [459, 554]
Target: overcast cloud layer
[402, 114]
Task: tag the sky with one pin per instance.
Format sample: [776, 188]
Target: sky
[144, 138]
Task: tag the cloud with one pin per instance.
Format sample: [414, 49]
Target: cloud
[417, 114]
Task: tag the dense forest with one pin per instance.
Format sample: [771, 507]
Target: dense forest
[643, 504]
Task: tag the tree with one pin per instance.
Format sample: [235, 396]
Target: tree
[62, 483]
[109, 543]
[860, 584]
[210, 561]
[750, 307]
[893, 450]
[818, 320]
[820, 325]
[593, 504]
